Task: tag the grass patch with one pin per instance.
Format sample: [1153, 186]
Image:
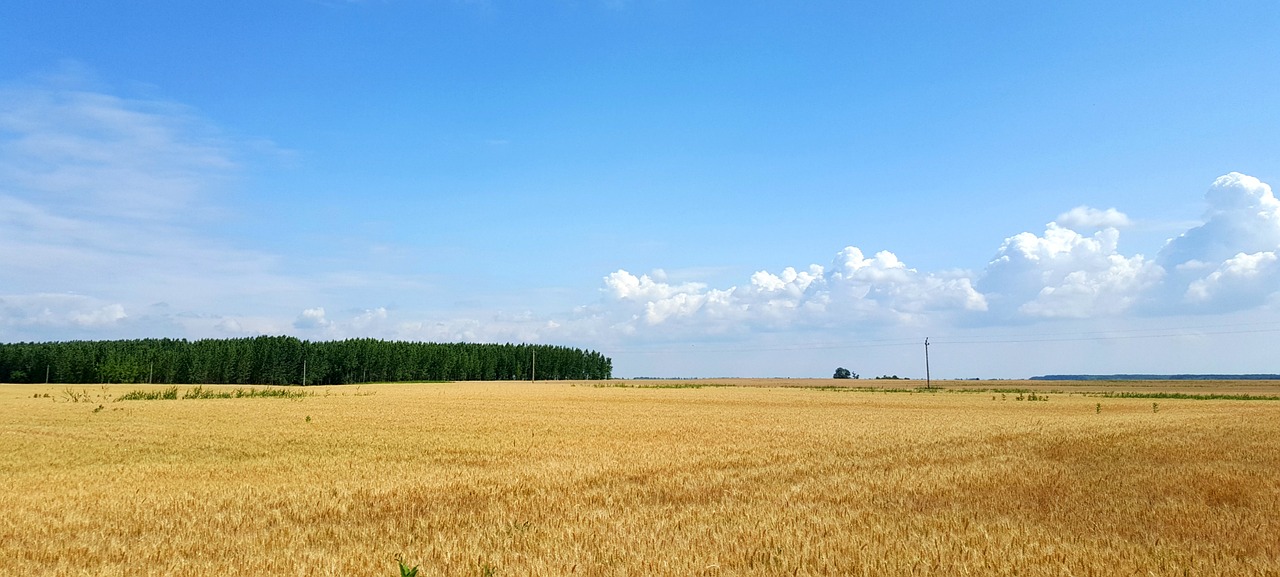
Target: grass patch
[199, 392]
[659, 385]
[168, 394]
[877, 389]
[1190, 396]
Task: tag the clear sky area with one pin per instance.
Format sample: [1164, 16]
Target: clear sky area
[695, 189]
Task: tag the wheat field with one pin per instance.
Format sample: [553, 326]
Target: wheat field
[579, 479]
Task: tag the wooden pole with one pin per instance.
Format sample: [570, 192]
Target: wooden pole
[928, 379]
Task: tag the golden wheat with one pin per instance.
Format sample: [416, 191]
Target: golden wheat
[572, 479]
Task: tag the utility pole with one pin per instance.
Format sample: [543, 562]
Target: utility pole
[533, 372]
[304, 371]
[928, 379]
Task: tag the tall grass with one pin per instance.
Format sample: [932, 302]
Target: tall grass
[166, 394]
[658, 385]
[1187, 396]
[200, 392]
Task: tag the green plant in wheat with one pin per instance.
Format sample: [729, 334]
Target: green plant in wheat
[405, 569]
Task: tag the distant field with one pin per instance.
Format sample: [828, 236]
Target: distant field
[1263, 388]
[642, 478]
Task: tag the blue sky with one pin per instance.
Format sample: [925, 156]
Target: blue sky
[692, 188]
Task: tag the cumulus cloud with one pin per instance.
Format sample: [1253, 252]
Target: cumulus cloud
[626, 286]
[1245, 278]
[1074, 269]
[311, 319]
[1242, 216]
[661, 300]
[1227, 263]
[1087, 218]
[887, 282]
[855, 287]
[1063, 273]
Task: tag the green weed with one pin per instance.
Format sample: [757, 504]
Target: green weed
[199, 392]
[658, 385]
[167, 394]
[405, 569]
[1190, 396]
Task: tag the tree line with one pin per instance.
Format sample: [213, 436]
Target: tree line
[283, 360]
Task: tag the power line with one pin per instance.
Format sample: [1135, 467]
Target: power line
[1049, 337]
[1142, 330]
[1099, 337]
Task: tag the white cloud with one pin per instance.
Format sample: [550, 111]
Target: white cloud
[1226, 263]
[107, 156]
[313, 318]
[790, 282]
[659, 300]
[1086, 218]
[58, 312]
[118, 199]
[1063, 273]
[1073, 270]
[1243, 216]
[1246, 279]
[880, 288]
[887, 282]
[1106, 290]
[369, 319]
[626, 286]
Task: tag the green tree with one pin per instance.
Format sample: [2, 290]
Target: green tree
[843, 373]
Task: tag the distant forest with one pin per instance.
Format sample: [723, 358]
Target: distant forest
[1140, 377]
[282, 360]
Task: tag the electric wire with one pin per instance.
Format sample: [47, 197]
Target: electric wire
[1042, 337]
